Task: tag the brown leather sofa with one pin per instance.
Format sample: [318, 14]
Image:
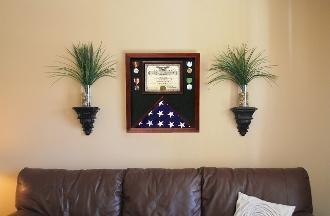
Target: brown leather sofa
[157, 192]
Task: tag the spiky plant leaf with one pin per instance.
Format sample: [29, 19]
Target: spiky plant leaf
[240, 65]
[84, 64]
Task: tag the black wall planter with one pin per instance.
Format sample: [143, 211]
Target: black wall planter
[87, 115]
[243, 116]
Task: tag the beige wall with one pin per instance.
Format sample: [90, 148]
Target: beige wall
[290, 129]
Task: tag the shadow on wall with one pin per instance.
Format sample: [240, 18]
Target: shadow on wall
[295, 35]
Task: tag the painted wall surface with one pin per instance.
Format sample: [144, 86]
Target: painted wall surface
[290, 129]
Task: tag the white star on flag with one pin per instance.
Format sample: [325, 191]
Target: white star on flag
[149, 123]
[150, 113]
[171, 124]
[160, 113]
[140, 123]
[160, 123]
[181, 125]
[170, 114]
[161, 103]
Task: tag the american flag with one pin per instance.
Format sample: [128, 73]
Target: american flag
[162, 116]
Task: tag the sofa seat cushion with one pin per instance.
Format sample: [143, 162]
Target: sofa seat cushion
[162, 192]
[62, 192]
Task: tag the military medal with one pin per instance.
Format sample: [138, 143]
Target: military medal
[136, 81]
[189, 84]
[136, 65]
[189, 65]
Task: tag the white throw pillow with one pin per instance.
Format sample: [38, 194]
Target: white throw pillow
[252, 206]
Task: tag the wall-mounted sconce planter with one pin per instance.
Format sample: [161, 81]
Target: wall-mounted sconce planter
[243, 116]
[241, 65]
[87, 115]
[103, 65]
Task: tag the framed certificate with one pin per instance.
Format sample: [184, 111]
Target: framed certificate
[162, 77]
[162, 92]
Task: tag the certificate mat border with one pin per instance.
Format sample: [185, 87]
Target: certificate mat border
[161, 56]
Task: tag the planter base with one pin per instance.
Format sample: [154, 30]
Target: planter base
[243, 116]
[87, 116]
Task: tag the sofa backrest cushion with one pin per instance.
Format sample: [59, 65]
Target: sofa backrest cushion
[62, 192]
[283, 186]
[162, 192]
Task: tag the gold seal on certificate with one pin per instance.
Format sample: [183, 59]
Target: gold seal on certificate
[162, 77]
